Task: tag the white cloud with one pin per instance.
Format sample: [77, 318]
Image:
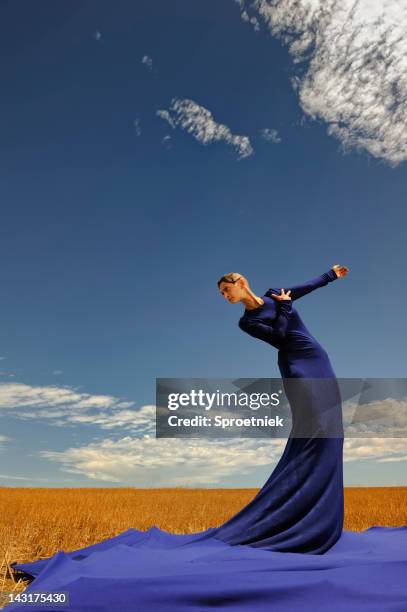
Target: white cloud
[97, 35]
[167, 141]
[137, 128]
[199, 122]
[4, 439]
[195, 462]
[62, 406]
[32, 478]
[165, 461]
[147, 61]
[253, 20]
[386, 417]
[245, 16]
[271, 135]
[380, 450]
[20, 395]
[164, 114]
[355, 78]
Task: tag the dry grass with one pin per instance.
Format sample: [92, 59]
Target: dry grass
[38, 522]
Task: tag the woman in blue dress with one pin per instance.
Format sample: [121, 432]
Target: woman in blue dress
[300, 507]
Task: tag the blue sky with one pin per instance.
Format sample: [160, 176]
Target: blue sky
[117, 222]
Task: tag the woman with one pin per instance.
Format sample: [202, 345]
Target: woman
[300, 507]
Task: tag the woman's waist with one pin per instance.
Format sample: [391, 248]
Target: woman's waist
[289, 351]
[297, 341]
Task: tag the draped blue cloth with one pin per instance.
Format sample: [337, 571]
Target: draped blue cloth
[284, 551]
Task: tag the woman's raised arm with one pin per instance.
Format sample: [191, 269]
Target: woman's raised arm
[298, 291]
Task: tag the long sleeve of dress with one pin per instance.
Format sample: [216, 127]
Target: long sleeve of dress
[298, 291]
[271, 334]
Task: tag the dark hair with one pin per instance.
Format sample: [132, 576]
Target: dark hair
[232, 277]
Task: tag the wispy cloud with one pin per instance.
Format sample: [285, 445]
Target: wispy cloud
[169, 462]
[136, 125]
[199, 122]
[355, 76]
[147, 61]
[201, 462]
[167, 141]
[271, 135]
[245, 16]
[33, 478]
[3, 440]
[386, 417]
[20, 395]
[164, 114]
[62, 406]
[381, 450]
[98, 36]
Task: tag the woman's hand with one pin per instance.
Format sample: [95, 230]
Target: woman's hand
[282, 296]
[340, 270]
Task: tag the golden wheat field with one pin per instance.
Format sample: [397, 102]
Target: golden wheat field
[37, 522]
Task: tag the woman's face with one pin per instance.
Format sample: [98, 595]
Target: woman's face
[232, 292]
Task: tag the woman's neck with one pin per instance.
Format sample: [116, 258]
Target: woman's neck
[253, 301]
